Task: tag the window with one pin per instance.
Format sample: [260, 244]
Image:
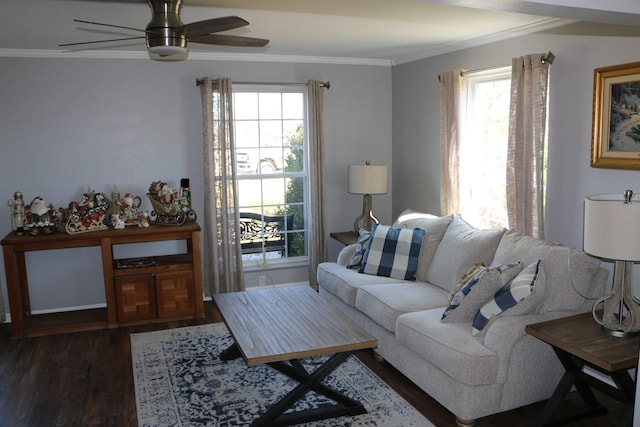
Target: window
[272, 177]
[483, 149]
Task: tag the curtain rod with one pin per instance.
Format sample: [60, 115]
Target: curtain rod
[326, 84]
[549, 57]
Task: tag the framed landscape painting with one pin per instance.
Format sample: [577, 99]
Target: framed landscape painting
[615, 140]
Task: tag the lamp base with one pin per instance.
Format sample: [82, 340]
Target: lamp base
[619, 334]
[364, 221]
[620, 315]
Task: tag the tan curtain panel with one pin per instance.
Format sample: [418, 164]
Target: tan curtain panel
[525, 155]
[453, 93]
[317, 225]
[222, 255]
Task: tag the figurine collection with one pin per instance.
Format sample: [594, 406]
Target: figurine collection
[95, 211]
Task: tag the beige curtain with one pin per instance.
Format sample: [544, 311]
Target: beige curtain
[525, 155]
[317, 227]
[453, 93]
[222, 252]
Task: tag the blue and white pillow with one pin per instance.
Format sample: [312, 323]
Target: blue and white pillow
[478, 289]
[520, 296]
[393, 252]
[362, 246]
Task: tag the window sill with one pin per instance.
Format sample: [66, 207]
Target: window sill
[277, 264]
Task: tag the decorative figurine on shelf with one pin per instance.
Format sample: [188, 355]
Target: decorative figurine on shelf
[143, 219]
[40, 216]
[117, 222]
[114, 208]
[17, 211]
[185, 194]
[88, 214]
[167, 206]
[129, 208]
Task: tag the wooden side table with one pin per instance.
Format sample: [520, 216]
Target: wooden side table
[579, 341]
[345, 237]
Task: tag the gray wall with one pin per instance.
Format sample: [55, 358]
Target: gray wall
[67, 124]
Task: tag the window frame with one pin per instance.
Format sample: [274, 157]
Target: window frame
[473, 79]
[258, 175]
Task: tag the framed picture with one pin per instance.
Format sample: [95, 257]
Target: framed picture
[615, 140]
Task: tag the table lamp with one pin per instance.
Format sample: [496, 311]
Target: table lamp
[367, 179]
[612, 231]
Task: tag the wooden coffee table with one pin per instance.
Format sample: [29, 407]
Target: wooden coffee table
[278, 327]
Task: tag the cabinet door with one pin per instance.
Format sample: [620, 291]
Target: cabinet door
[174, 293]
[135, 297]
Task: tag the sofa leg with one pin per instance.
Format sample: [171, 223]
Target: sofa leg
[465, 423]
[377, 357]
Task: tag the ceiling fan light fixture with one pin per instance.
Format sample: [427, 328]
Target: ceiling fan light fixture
[167, 50]
[167, 45]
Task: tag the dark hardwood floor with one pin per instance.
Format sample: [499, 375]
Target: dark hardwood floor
[85, 379]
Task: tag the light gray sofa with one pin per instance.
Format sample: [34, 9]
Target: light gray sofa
[499, 368]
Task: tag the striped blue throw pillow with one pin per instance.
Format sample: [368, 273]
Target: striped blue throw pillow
[361, 248]
[393, 252]
[520, 296]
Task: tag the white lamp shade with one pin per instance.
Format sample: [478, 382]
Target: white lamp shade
[612, 227]
[367, 179]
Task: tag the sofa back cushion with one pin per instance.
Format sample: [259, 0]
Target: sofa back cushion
[461, 247]
[571, 274]
[434, 227]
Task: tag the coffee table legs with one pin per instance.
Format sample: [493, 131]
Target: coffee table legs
[275, 415]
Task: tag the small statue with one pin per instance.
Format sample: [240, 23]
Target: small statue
[18, 211]
[143, 219]
[117, 221]
[129, 207]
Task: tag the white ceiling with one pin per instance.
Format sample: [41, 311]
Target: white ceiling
[385, 31]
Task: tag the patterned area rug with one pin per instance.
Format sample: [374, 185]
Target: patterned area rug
[180, 381]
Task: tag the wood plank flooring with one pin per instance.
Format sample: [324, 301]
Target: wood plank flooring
[85, 379]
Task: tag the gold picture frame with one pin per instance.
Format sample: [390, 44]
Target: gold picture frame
[615, 142]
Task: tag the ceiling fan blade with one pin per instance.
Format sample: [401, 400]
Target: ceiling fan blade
[224, 40]
[214, 25]
[108, 25]
[102, 41]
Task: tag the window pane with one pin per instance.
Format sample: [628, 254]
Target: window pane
[483, 156]
[270, 106]
[245, 105]
[292, 106]
[247, 133]
[272, 182]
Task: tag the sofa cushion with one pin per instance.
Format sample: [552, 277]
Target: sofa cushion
[571, 274]
[434, 227]
[477, 291]
[344, 283]
[520, 296]
[384, 303]
[461, 247]
[364, 237]
[449, 346]
[393, 252]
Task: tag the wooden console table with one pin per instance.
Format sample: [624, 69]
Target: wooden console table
[170, 289]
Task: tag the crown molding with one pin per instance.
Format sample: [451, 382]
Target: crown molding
[469, 42]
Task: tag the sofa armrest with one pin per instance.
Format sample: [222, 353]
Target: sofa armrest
[506, 332]
[345, 254]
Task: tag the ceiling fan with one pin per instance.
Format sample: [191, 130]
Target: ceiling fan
[166, 35]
